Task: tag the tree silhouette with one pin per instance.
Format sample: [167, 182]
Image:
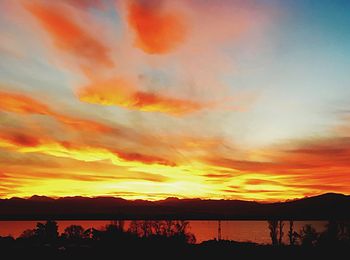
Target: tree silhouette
[173, 229]
[118, 224]
[292, 235]
[172, 235]
[181, 232]
[146, 228]
[330, 235]
[276, 231]
[308, 236]
[111, 233]
[344, 231]
[47, 232]
[280, 229]
[168, 226]
[273, 227]
[336, 232]
[88, 233]
[158, 228]
[135, 228]
[74, 232]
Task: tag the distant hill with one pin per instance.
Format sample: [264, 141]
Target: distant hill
[322, 207]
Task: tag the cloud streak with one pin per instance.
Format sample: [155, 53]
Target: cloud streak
[69, 36]
[123, 93]
[26, 143]
[22, 104]
[310, 167]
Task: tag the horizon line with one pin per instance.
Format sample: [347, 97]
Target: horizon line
[174, 198]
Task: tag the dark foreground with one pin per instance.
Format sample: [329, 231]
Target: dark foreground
[170, 239]
[170, 250]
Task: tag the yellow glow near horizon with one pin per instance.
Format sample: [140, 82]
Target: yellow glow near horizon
[168, 101]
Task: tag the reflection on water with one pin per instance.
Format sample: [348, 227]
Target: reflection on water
[254, 231]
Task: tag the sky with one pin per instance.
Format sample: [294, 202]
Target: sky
[149, 99]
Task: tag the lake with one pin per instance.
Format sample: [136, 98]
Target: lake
[254, 231]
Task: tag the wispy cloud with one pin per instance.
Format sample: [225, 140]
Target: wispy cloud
[309, 167]
[69, 36]
[123, 93]
[29, 143]
[22, 104]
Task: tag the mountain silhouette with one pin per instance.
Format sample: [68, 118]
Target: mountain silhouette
[322, 207]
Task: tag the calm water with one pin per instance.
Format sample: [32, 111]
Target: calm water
[254, 231]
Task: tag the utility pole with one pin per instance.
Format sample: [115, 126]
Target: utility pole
[219, 230]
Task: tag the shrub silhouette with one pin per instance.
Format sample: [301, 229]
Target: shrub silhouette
[28, 234]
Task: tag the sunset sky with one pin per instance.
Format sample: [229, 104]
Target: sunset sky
[149, 99]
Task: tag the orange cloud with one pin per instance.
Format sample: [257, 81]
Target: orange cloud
[121, 92]
[69, 36]
[327, 153]
[159, 27]
[80, 124]
[247, 166]
[26, 166]
[29, 143]
[310, 168]
[145, 101]
[19, 139]
[319, 155]
[157, 30]
[147, 159]
[261, 182]
[84, 4]
[21, 104]
[293, 161]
